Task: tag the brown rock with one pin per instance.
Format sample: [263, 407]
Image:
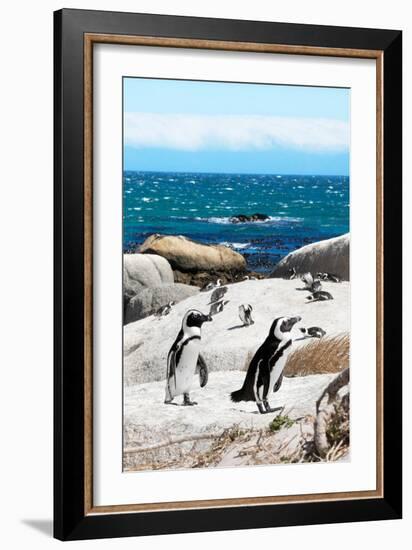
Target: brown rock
[189, 256]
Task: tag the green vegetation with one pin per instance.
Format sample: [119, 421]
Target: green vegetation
[280, 422]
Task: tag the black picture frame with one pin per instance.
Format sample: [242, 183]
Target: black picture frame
[71, 522]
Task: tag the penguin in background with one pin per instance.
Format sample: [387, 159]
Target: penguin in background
[184, 359]
[245, 315]
[210, 286]
[319, 296]
[164, 310]
[291, 273]
[311, 284]
[313, 332]
[217, 307]
[218, 294]
[265, 371]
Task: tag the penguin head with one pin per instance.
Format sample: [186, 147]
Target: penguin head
[195, 318]
[282, 327]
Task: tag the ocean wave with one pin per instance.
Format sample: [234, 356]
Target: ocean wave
[238, 246]
[273, 220]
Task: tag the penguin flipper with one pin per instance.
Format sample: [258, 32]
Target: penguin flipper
[276, 387]
[171, 360]
[203, 371]
[171, 368]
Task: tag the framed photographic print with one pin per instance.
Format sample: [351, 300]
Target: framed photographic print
[227, 274]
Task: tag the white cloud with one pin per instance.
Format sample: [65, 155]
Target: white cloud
[234, 133]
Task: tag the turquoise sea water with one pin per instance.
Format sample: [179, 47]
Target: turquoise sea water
[302, 209]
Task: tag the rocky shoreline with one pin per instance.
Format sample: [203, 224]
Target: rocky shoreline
[171, 268]
[219, 433]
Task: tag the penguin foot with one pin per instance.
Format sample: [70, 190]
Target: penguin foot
[261, 409]
[269, 409]
[169, 402]
[187, 402]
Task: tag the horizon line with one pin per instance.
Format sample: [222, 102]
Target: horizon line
[233, 173]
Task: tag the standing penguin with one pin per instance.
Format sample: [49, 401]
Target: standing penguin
[184, 358]
[217, 307]
[245, 314]
[265, 371]
[218, 294]
[291, 273]
[311, 284]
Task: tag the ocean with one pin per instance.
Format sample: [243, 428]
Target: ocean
[301, 210]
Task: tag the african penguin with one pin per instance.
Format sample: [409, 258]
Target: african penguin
[292, 273]
[316, 286]
[184, 358]
[329, 277]
[314, 332]
[164, 310]
[218, 294]
[217, 307]
[265, 371]
[245, 314]
[320, 296]
[311, 284]
[211, 286]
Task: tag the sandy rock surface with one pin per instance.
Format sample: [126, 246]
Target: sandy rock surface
[226, 345]
[148, 421]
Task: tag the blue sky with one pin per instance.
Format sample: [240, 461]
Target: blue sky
[182, 126]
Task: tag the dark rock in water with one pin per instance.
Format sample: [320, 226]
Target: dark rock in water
[243, 218]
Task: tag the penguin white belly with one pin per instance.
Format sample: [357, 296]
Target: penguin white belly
[185, 370]
[278, 369]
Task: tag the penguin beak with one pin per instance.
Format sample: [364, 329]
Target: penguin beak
[207, 318]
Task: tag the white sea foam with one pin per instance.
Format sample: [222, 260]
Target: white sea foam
[239, 246]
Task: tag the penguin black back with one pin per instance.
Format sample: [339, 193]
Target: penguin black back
[258, 375]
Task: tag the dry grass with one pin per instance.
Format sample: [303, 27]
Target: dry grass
[319, 356]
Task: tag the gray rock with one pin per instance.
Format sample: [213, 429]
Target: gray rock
[142, 271]
[331, 255]
[149, 300]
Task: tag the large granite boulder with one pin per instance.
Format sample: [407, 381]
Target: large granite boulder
[331, 255]
[149, 300]
[189, 256]
[142, 271]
